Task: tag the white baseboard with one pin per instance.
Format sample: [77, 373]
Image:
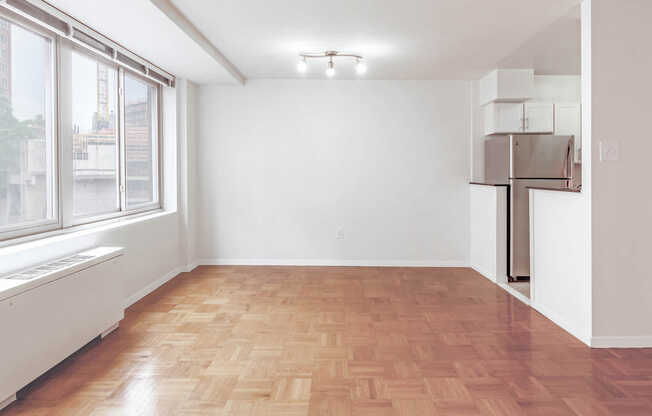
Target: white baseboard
[110, 329]
[518, 295]
[332, 262]
[192, 266]
[622, 342]
[484, 273]
[6, 402]
[562, 323]
[153, 286]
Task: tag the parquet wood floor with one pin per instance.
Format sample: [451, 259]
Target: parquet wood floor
[296, 341]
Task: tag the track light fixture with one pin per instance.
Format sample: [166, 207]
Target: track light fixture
[330, 71]
[360, 66]
[302, 66]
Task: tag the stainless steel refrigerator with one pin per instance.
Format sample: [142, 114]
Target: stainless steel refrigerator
[524, 161]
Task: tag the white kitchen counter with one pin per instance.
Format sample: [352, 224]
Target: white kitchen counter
[559, 278]
[488, 230]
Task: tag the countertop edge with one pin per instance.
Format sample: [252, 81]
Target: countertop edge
[488, 184]
[567, 190]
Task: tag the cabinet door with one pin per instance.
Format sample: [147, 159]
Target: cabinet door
[539, 118]
[503, 118]
[568, 122]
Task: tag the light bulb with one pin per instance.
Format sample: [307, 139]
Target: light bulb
[330, 71]
[302, 66]
[361, 67]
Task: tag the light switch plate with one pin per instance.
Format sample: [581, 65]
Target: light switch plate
[609, 151]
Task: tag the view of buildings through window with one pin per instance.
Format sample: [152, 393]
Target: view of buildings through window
[25, 126]
[92, 120]
[95, 137]
[140, 125]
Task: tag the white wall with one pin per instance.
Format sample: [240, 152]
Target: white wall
[621, 199]
[193, 172]
[477, 134]
[153, 245]
[557, 88]
[187, 137]
[560, 286]
[284, 163]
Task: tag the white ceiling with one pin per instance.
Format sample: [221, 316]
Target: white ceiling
[141, 27]
[555, 50]
[401, 39]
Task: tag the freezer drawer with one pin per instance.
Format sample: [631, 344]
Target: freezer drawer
[519, 225]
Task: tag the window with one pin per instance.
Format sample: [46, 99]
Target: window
[79, 135]
[27, 172]
[141, 125]
[110, 119]
[95, 157]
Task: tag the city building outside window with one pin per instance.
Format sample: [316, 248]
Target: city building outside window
[95, 156]
[27, 175]
[79, 135]
[141, 126]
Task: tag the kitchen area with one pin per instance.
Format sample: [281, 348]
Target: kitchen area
[527, 208]
[528, 213]
[531, 140]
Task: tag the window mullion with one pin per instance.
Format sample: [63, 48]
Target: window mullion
[65, 134]
[54, 205]
[122, 147]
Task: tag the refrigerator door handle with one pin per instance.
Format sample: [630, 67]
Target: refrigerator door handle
[569, 158]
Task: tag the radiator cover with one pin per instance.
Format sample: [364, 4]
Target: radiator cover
[53, 317]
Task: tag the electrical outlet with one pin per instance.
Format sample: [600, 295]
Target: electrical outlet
[339, 233]
[609, 151]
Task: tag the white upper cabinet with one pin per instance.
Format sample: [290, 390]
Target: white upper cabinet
[513, 103]
[503, 118]
[568, 122]
[507, 85]
[539, 118]
[512, 118]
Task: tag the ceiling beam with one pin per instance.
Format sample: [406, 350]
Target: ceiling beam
[189, 29]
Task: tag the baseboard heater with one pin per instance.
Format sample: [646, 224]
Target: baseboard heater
[49, 311]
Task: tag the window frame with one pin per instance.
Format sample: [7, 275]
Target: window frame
[60, 159]
[156, 141]
[53, 159]
[67, 47]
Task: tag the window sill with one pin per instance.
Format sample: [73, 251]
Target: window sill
[19, 244]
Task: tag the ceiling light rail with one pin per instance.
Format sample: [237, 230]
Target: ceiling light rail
[302, 66]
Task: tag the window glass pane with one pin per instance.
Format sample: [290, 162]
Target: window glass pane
[26, 141]
[140, 141]
[94, 139]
